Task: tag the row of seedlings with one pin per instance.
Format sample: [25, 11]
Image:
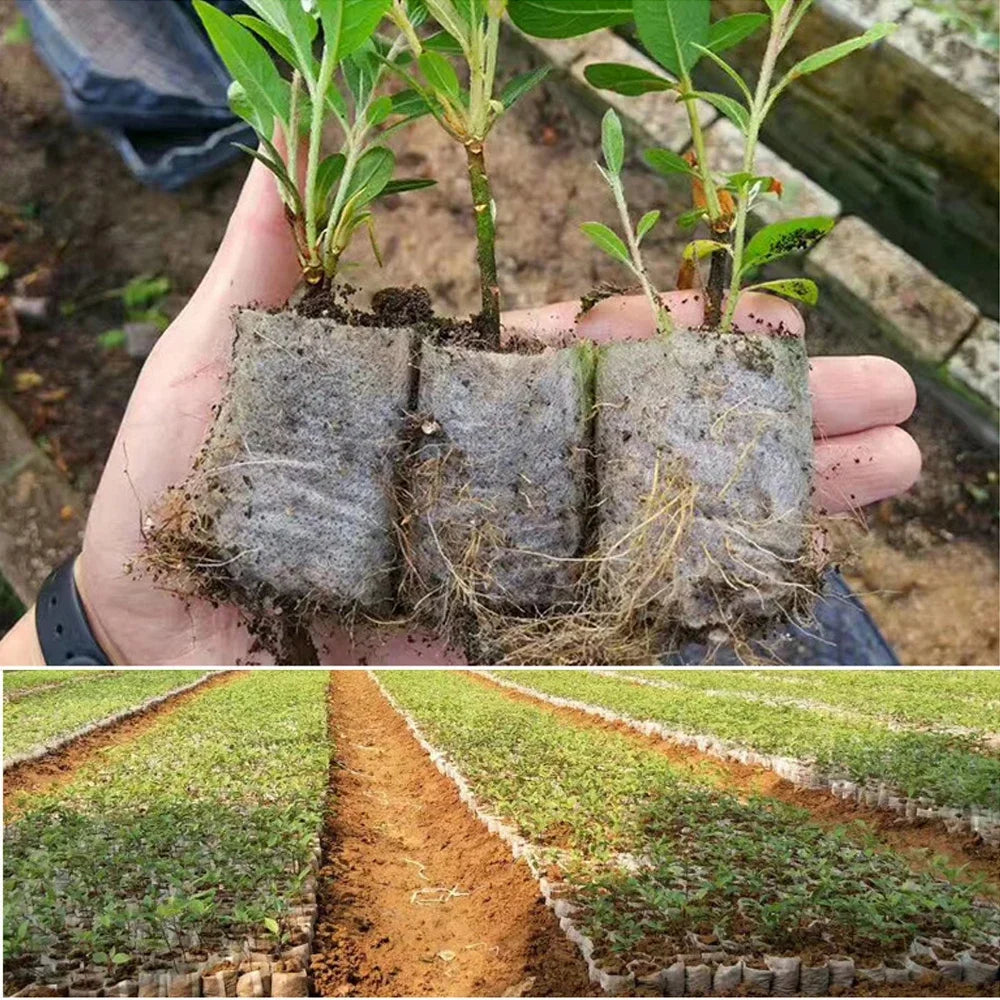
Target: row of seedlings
[232, 787]
[34, 728]
[934, 754]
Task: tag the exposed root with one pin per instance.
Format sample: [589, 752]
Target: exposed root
[627, 608]
[183, 557]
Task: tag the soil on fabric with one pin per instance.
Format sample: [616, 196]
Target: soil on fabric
[918, 842]
[60, 766]
[925, 563]
[407, 307]
[416, 897]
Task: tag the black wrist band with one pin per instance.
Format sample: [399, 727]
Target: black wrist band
[63, 630]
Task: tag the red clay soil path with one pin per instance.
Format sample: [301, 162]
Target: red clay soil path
[416, 898]
[59, 767]
[917, 842]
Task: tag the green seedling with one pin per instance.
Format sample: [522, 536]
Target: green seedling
[470, 34]
[332, 198]
[678, 34]
[19, 33]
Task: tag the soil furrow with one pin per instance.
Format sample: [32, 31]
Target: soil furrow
[416, 898]
[59, 767]
[919, 842]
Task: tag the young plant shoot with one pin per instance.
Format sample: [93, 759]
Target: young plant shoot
[678, 34]
[470, 31]
[332, 198]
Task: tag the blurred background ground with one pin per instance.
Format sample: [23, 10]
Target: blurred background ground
[926, 563]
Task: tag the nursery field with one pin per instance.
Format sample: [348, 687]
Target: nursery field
[41, 706]
[429, 833]
[197, 833]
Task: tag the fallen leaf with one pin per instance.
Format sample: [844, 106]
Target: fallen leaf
[26, 380]
[67, 513]
[447, 956]
[53, 395]
[10, 329]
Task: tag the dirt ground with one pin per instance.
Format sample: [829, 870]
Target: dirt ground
[926, 563]
[417, 898]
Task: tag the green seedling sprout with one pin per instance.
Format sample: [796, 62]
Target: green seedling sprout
[469, 32]
[334, 198]
[678, 34]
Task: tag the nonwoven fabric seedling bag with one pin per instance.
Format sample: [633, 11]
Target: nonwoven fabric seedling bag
[704, 454]
[496, 481]
[293, 492]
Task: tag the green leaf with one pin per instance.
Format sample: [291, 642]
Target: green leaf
[371, 175]
[698, 249]
[362, 71]
[250, 65]
[410, 103]
[361, 18]
[440, 74]
[624, 79]
[144, 291]
[690, 219]
[567, 18]
[272, 36]
[275, 165]
[800, 289]
[784, 238]
[521, 84]
[111, 340]
[613, 142]
[731, 31]
[729, 71]
[406, 184]
[670, 29]
[607, 240]
[121, 958]
[646, 223]
[19, 33]
[818, 60]
[667, 162]
[290, 22]
[272, 925]
[444, 43]
[379, 110]
[775, 6]
[731, 108]
[100, 958]
[4, 270]
[328, 174]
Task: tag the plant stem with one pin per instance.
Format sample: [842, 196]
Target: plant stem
[482, 201]
[757, 114]
[698, 139]
[660, 315]
[315, 272]
[292, 139]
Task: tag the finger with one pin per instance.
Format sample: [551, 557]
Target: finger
[631, 317]
[855, 470]
[855, 393]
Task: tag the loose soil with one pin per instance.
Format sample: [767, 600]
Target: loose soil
[918, 842]
[927, 564]
[60, 767]
[416, 898]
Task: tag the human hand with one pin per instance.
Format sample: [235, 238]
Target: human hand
[857, 402]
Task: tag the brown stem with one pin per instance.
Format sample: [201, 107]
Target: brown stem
[719, 277]
[482, 201]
